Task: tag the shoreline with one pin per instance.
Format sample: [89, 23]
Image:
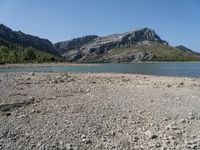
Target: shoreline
[31, 65]
[98, 111]
[62, 64]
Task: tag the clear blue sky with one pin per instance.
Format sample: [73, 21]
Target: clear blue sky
[177, 21]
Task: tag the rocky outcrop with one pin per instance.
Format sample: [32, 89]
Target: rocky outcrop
[72, 55]
[101, 45]
[134, 57]
[75, 43]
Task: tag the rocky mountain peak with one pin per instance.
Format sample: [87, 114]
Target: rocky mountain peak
[102, 44]
[82, 47]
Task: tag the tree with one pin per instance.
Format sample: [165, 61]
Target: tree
[29, 54]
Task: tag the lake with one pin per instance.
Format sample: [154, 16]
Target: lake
[183, 69]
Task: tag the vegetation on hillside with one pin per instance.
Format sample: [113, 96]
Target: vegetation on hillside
[12, 53]
[161, 52]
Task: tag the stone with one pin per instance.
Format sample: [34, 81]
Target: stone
[183, 121]
[103, 116]
[31, 98]
[68, 146]
[150, 134]
[54, 81]
[191, 117]
[32, 73]
[135, 139]
[169, 85]
[171, 126]
[83, 136]
[165, 119]
[58, 77]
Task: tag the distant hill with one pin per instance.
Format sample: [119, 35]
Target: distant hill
[133, 46]
[16, 46]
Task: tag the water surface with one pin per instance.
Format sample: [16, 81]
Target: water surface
[184, 69]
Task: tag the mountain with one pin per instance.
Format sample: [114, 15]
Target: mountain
[26, 40]
[74, 43]
[16, 46]
[132, 46]
[136, 45]
[183, 48]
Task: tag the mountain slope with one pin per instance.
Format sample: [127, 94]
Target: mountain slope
[26, 40]
[20, 47]
[152, 51]
[136, 45]
[74, 43]
[132, 46]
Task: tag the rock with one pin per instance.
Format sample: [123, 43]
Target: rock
[191, 117]
[32, 74]
[83, 136]
[88, 141]
[141, 111]
[169, 85]
[103, 116]
[150, 134]
[183, 121]
[85, 139]
[31, 98]
[112, 132]
[172, 126]
[68, 146]
[165, 119]
[21, 116]
[58, 77]
[135, 139]
[54, 81]
[178, 98]
[171, 137]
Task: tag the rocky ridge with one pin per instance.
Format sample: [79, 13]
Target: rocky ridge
[26, 40]
[101, 45]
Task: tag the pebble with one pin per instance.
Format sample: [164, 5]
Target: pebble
[183, 121]
[31, 98]
[68, 146]
[135, 139]
[191, 117]
[55, 81]
[165, 119]
[150, 134]
[169, 85]
[32, 73]
[21, 116]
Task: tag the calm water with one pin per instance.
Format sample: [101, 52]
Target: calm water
[185, 69]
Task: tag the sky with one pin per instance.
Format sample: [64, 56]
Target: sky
[176, 21]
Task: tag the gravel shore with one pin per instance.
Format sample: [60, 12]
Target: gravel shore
[31, 65]
[91, 111]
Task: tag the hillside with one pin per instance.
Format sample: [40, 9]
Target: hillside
[16, 47]
[152, 51]
[132, 46]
